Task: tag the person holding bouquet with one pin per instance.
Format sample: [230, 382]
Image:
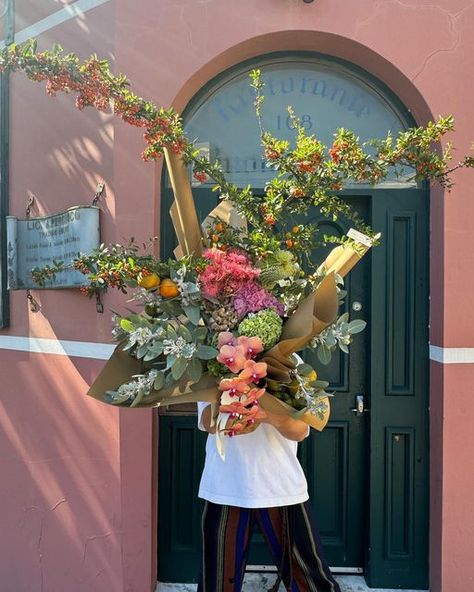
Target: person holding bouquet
[259, 480]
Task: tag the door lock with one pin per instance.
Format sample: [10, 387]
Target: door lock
[359, 409]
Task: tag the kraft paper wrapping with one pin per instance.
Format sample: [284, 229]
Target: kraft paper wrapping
[314, 314]
[311, 317]
[183, 211]
[121, 368]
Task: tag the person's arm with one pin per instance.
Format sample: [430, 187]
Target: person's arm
[292, 429]
[206, 420]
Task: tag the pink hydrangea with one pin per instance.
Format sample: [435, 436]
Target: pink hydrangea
[227, 272]
[252, 298]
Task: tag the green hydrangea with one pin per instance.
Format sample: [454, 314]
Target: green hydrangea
[265, 324]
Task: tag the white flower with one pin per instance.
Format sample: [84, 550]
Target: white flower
[140, 336]
[179, 348]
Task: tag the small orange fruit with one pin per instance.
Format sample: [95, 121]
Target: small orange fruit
[149, 282]
[168, 288]
[295, 229]
[220, 227]
[289, 243]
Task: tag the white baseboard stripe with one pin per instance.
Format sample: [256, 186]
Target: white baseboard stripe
[63, 347]
[57, 18]
[103, 351]
[452, 355]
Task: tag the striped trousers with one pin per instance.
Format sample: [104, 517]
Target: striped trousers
[290, 534]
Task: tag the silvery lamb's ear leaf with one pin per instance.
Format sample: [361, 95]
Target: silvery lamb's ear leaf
[343, 318]
[343, 347]
[356, 326]
[324, 354]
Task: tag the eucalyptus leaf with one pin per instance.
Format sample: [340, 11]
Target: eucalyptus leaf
[195, 369]
[169, 380]
[304, 369]
[170, 360]
[200, 333]
[159, 381]
[116, 399]
[141, 351]
[193, 313]
[179, 368]
[206, 352]
[150, 355]
[138, 398]
[185, 333]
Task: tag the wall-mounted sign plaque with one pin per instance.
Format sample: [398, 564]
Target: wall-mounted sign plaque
[37, 242]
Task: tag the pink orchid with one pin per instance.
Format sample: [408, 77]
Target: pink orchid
[225, 338]
[251, 345]
[253, 396]
[253, 371]
[232, 357]
[234, 386]
[236, 408]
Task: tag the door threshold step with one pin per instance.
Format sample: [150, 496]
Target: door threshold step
[259, 582]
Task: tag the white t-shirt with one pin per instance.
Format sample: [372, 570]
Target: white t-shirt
[260, 470]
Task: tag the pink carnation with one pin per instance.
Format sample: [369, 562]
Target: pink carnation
[252, 298]
[227, 272]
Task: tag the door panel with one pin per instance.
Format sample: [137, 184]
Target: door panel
[400, 392]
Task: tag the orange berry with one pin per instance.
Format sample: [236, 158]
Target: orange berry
[289, 243]
[168, 288]
[215, 238]
[295, 229]
[220, 227]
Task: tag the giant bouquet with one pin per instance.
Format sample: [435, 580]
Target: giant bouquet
[222, 321]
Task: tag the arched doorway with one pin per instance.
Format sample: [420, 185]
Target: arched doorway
[368, 472]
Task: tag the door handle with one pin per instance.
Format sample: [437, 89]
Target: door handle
[359, 408]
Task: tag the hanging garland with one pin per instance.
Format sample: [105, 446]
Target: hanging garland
[306, 175]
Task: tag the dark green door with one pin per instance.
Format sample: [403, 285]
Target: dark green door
[367, 473]
[335, 459]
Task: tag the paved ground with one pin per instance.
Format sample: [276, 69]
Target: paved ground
[263, 582]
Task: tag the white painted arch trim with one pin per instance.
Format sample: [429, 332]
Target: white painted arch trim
[63, 347]
[71, 11]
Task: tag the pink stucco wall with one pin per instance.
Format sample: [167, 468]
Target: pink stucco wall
[78, 476]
